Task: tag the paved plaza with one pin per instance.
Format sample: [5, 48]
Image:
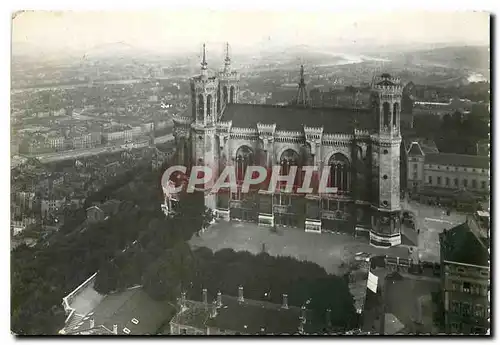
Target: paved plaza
[431, 221]
[328, 250]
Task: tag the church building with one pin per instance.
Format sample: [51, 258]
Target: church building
[360, 147]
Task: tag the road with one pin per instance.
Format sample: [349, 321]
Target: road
[431, 221]
[76, 85]
[163, 139]
[59, 156]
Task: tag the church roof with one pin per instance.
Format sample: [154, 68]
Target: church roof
[293, 118]
[470, 161]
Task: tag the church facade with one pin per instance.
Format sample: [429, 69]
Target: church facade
[359, 147]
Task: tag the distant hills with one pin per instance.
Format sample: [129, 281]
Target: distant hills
[112, 49]
[116, 51]
[300, 54]
[467, 57]
[470, 57]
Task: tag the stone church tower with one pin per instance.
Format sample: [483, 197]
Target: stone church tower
[229, 80]
[386, 142]
[204, 104]
[196, 139]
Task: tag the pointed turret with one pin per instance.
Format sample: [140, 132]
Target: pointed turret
[204, 62]
[228, 83]
[227, 60]
[301, 92]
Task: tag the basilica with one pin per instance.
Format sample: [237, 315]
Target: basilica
[360, 147]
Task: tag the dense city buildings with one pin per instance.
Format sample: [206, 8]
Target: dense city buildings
[87, 116]
[350, 97]
[42, 194]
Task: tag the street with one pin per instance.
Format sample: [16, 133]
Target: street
[431, 221]
[73, 154]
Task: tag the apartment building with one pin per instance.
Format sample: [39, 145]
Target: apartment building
[446, 177]
[49, 206]
[465, 275]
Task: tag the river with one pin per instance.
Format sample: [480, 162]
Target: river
[346, 59]
[476, 77]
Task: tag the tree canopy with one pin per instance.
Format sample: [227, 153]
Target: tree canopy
[456, 132]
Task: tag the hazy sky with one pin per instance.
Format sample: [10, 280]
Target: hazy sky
[188, 29]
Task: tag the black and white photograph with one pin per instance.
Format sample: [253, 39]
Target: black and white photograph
[190, 172]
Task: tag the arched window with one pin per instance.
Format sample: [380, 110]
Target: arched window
[218, 100]
[359, 153]
[375, 106]
[377, 114]
[244, 158]
[306, 154]
[193, 99]
[209, 106]
[224, 92]
[232, 95]
[288, 159]
[201, 107]
[339, 173]
[395, 113]
[387, 114]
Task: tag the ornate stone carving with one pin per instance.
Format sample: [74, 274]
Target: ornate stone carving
[223, 138]
[314, 145]
[180, 132]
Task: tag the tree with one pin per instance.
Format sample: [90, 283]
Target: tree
[164, 277]
[265, 277]
[107, 279]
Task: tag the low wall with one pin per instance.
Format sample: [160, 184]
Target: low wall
[70, 297]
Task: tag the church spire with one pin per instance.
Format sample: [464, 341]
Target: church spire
[204, 62]
[302, 93]
[227, 60]
[302, 82]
